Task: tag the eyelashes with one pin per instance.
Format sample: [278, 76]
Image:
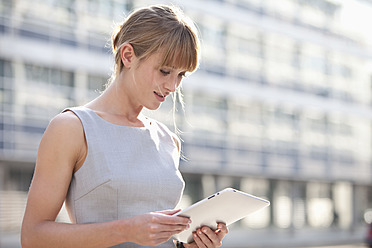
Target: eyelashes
[165, 73]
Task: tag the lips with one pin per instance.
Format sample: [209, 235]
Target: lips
[159, 96]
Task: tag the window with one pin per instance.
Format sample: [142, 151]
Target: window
[47, 75]
[213, 34]
[6, 69]
[6, 82]
[97, 83]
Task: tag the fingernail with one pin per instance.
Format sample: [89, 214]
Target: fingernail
[204, 230]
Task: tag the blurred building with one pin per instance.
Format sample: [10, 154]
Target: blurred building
[280, 108]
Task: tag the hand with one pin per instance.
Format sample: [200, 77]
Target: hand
[157, 227]
[207, 238]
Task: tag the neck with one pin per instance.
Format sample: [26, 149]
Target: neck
[116, 100]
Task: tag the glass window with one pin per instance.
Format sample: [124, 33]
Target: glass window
[60, 77]
[35, 73]
[285, 115]
[100, 7]
[244, 53]
[343, 201]
[69, 5]
[6, 7]
[260, 188]
[253, 5]
[245, 39]
[316, 121]
[282, 204]
[249, 112]
[6, 69]
[313, 13]
[19, 179]
[319, 205]
[40, 74]
[313, 58]
[285, 9]
[319, 153]
[97, 83]
[299, 204]
[343, 156]
[279, 53]
[213, 34]
[193, 190]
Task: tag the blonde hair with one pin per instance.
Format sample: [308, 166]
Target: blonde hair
[158, 28]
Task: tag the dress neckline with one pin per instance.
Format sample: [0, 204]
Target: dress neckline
[145, 120]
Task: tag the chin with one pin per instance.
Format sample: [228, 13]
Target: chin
[153, 107]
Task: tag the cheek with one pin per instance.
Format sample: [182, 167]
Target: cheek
[155, 79]
[145, 78]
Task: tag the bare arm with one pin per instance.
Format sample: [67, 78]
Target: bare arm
[62, 150]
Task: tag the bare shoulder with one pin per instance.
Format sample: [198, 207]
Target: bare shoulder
[66, 125]
[66, 120]
[65, 134]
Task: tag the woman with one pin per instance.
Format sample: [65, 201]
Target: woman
[116, 169]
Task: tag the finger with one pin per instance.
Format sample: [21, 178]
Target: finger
[172, 220]
[222, 230]
[169, 211]
[205, 238]
[212, 236]
[170, 228]
[198, 241]
[162, 236]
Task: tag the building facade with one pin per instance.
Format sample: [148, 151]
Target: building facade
[280, 107]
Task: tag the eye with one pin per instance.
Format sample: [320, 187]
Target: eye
[165, 72]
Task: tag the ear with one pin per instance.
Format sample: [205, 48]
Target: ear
[127, 55]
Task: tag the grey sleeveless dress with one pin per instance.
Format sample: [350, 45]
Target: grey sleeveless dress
[128, 171]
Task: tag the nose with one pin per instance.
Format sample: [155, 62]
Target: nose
[172, 84]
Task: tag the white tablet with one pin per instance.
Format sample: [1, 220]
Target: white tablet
[227, 206]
